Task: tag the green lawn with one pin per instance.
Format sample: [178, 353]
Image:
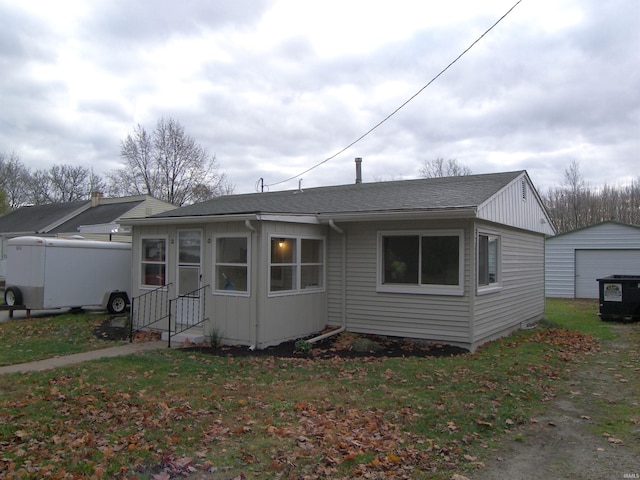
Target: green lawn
[23, 340]
[170, 412]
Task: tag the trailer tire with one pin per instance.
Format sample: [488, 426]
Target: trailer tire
[117, 303]
[12, 296]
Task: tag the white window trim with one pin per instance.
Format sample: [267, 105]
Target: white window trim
[141, 285]
[453, 290]
[298, 265]
[232, 293]
[491, 287]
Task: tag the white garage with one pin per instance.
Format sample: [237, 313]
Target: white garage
[575, 260]
[594, 264]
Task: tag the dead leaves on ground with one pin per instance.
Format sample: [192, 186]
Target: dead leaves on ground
[111, 432]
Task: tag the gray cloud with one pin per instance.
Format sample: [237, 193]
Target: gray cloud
[554, 82]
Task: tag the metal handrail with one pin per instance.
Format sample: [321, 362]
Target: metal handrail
[199, 293]
[151, 308]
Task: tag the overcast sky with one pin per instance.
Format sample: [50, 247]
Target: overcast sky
[273, 87]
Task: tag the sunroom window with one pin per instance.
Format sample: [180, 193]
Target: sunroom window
[422, 262]
[153, 265]
[296, 264]
[231, 265]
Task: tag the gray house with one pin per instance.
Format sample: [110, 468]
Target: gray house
[575, 260]
[457, 260]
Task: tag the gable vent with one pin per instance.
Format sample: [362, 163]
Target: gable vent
[523, 186]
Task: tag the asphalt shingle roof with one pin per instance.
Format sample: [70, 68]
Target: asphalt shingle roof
[97, 215]
[35, 219]
[404, 195]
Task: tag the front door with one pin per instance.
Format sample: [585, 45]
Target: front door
[189, 279]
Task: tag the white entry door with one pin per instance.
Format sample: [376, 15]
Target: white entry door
[189, 279]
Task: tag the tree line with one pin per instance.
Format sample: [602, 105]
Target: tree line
[170, 165]
[575, 204]
[165, 163]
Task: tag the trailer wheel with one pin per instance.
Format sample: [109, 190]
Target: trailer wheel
[13, 296]
[117, 303]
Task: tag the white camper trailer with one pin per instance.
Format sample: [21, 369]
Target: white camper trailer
[45, 273]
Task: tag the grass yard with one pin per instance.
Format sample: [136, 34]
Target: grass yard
[24, 340]
[173, 413]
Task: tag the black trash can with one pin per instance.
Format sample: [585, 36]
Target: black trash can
[620, 297]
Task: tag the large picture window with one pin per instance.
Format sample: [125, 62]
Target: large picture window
[422, 262]
[488, 260]
[232, 265]
[296, 264]
[153, 265]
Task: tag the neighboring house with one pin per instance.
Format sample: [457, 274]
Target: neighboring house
[96, 219]
[457, 260]
[575, 260]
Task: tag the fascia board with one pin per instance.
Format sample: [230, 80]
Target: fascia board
[187, 219]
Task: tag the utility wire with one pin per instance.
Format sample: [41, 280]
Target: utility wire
[403, 105]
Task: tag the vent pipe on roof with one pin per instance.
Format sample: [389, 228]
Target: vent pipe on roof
[358, 170]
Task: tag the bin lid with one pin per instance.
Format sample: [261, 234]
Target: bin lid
[620, 278]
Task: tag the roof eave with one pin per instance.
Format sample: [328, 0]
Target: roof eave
[442, 213]
[192, 219]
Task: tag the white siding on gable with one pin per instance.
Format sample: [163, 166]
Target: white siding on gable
[519, 206]
[560, 253]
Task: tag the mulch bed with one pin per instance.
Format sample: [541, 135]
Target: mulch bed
[345, 345]
[336, 346]
[110, 330]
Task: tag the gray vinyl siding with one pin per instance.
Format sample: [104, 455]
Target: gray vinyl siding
[154, 305]
[442, 318]
[229, 315]
[521, 296]
[336, 290]
[288, 316]
[560, 255]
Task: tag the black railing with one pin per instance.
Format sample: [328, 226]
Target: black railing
[188, 311]
[149, 308]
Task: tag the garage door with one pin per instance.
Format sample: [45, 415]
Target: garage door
[594, 264]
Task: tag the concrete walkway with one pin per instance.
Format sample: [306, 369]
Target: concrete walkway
[55, 362]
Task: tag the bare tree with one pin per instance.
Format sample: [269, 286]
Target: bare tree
[575, 204]
[14, 180]
[576, 192]
[168, 165]
[63, 183]
[139, 176]
[441, 168]
[68, 183]
[4, 207]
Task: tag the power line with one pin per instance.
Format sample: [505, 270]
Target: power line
[401, 106]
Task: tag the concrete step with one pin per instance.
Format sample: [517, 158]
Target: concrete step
[184, 337]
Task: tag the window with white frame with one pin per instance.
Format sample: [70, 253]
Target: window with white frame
[232, 264]
[422, 262]
[153, 264]
[488, 260]
[296, 264]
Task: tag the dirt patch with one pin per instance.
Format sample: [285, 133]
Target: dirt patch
[116, 329]
[564, 443]
[342, 345]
